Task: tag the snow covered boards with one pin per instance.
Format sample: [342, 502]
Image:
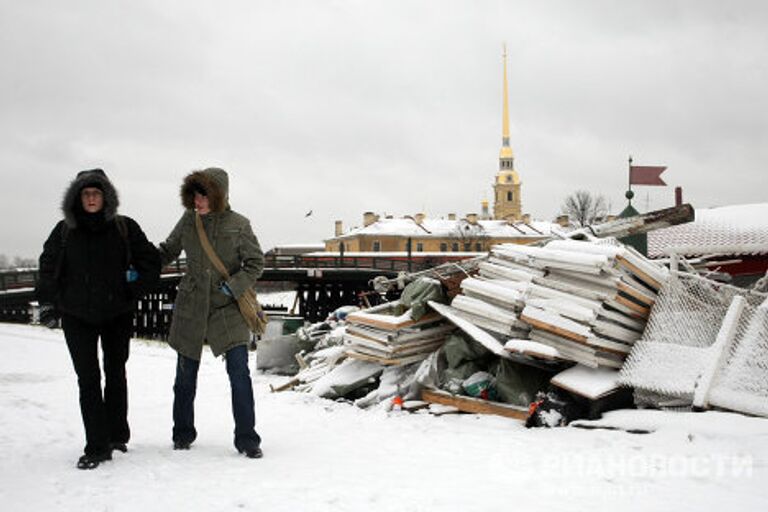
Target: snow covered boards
[390, 337]
[389, 316]
[473, 405]
[588, 301]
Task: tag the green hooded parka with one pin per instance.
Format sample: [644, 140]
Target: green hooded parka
[202, 312]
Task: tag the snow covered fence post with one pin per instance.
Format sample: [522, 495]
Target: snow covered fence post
[720, 350]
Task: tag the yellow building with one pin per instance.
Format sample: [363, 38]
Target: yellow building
[470, 234]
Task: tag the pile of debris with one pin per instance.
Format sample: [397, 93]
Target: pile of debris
[522, 315]
[578, 301]
[541, 333]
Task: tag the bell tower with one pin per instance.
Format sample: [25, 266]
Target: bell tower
[506, 187]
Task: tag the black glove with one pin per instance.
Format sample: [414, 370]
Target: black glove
[49, 317]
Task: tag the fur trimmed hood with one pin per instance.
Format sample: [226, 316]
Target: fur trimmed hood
[71, 204]
[214, 182]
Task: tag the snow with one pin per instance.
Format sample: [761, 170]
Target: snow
[730, 230]
[589, 382]
[476, 333]
[532, 347]
[348, 372]
[538, 257]
[609, 251]
[282, 299]
[441, 228]
[382, 318]
[327, 456]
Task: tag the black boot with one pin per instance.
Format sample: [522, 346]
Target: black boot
[121, 447]
[251, 451]
[182, 445]
[93, 461]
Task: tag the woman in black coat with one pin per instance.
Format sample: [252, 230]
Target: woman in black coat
[94, 266]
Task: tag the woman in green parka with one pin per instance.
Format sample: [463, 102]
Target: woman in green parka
[206, 307]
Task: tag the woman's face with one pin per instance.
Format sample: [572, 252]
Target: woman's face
[92, 198]
[201, 204]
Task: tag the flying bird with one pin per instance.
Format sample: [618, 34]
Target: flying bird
[308, 213]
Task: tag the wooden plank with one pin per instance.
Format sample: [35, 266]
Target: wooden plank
[375, 348]
[579, 288]
[535, 353]
[641, 223]
[288, 385]
[484, 309]
[553, 329]
[476, 333]
[637, 309]
[442, 410]
[388, 322]
[621, 319]
[629, 312]
[492, 325]
[636, 294]
[402, 335]
[639, 273]
[616, 331]
[474, 405]
[568, 349]
[414, 405]
[389, 362]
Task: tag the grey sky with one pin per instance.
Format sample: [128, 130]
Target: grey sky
[390, 106]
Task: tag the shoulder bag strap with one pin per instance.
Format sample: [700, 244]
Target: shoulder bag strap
[208, 248]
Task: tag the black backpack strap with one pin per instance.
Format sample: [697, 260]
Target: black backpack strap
[122, 228]
[63, 234]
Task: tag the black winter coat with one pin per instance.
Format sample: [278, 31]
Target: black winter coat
[85, 275]
[84, 261]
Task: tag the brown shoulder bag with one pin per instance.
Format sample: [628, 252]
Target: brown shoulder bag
[248, 304]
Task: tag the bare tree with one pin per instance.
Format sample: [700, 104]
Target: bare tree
[3, 261]
[470, 236]
[584, 208]
[21, 262]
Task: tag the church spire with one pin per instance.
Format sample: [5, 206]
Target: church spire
[506, 187]
[506, 150]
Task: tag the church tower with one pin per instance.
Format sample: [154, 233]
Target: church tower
[506, 188]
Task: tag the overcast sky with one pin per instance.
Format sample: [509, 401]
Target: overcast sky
[390, 106]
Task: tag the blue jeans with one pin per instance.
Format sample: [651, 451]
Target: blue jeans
[185, 387]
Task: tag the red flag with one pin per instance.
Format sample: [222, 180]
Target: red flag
[646, 175]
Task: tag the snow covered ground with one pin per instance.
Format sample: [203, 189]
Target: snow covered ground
[322, 455]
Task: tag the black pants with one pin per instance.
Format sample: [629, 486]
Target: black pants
[105, 417]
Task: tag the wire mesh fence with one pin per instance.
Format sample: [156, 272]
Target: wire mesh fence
[686, 346]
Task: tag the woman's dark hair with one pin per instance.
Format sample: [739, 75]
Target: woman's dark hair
[199, 189]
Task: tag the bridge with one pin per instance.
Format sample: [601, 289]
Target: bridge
[322, 281]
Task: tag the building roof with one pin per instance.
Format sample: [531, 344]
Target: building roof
[442, 228]
[728, 230]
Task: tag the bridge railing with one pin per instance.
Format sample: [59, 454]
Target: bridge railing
[384, 262]
[390, 262]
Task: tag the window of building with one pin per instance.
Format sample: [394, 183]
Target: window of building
[419, 247]
[455, 246]
[376, 246]
[478, 247]
[467, 246]
[509, 196]
[443, 247]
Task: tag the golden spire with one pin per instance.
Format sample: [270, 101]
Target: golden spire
[506, 150]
